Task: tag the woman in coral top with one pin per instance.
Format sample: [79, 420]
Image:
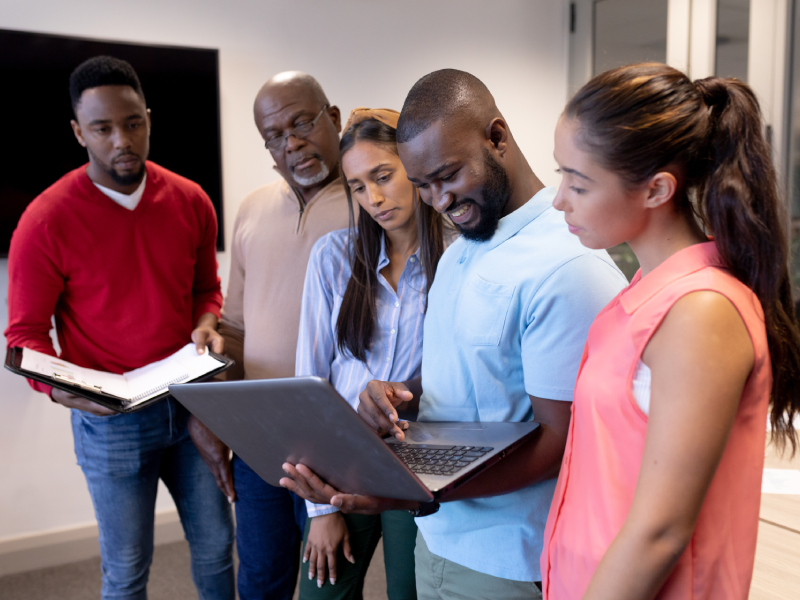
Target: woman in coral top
[659, 489]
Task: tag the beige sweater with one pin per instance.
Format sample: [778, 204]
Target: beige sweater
[272, 240]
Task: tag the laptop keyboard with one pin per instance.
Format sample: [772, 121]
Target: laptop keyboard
[428, 459]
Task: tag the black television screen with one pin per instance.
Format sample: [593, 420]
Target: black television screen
[181, 86]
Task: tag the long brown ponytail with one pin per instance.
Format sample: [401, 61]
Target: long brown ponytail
[638, 119]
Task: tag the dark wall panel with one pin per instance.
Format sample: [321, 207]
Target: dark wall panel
[181, 86]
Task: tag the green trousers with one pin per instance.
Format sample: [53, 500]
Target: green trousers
[399, 536]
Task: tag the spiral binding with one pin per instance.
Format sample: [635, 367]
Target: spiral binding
[157, 388]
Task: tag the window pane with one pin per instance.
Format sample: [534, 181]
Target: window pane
[625, 32]
[629, 31]
[733, 32]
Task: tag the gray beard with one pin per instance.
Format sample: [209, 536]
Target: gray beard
[314, 179]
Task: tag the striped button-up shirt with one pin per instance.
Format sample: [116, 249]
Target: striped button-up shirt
[395, 353]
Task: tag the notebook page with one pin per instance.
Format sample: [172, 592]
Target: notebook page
[153, 379]
[50, 366]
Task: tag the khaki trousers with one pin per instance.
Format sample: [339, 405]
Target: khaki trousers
[441, 579]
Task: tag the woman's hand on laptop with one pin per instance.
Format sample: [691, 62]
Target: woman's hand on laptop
[378, 406]
[305, 483]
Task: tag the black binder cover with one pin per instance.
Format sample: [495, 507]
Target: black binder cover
[14, 361]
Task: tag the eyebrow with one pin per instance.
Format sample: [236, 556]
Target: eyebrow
[578, 173]
[303, 112]
[433, 174]
[105, 121]
[372, 172]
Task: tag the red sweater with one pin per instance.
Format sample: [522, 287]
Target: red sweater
[126, 287]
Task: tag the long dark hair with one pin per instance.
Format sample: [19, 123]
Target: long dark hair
[355, 325]
[638, 119]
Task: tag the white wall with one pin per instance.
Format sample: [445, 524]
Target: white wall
[364, 52]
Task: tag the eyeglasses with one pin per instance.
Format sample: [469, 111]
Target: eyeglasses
[276, 142]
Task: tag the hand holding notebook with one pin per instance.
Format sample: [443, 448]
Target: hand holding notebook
[126, 392]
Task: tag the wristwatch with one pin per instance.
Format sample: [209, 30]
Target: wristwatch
[425, 509]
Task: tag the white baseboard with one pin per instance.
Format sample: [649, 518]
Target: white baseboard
[64, 546]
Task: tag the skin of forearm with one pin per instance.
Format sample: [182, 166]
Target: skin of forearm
[537, 460]
[642, 557]
[207, 320]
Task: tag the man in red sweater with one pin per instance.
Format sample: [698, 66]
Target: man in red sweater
[122, 252]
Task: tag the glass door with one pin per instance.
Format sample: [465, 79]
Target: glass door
[728, 38]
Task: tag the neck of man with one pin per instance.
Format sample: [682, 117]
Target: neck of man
[101, 177]
[307, 194]
[524, 182]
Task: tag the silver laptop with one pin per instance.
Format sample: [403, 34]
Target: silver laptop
[304, 420]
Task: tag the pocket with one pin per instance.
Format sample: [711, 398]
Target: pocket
[481, 311]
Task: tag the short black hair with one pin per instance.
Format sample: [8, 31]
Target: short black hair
[437, 96]
[99, 71]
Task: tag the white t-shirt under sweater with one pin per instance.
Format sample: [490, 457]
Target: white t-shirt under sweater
[129, 201]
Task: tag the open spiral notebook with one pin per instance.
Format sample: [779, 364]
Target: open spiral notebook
[126, 392]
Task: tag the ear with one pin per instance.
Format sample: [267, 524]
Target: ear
[76, 129]
[336, 117]
[497, 133]
[149, 121]
[660, 189]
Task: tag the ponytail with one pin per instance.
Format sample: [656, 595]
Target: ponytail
[639, 119]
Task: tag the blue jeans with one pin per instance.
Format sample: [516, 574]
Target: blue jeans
[123, 457]
[269, 531]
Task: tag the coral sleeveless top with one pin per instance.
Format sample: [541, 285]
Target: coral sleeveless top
[607, 435]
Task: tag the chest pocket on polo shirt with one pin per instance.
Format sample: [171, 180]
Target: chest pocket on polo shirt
[481, 311]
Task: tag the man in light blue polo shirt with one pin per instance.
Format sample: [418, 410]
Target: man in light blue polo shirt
[507, 319]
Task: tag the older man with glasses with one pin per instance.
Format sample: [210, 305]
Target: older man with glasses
[275, 228]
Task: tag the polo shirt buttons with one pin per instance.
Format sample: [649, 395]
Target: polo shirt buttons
[411, 259]
[397, 304]
[394, 331]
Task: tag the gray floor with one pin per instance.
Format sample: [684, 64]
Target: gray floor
[169, 579]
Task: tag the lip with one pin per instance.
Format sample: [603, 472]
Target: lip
[572, 229]
[127, 161]
[385, 215]
[461, 219]
[304, 163]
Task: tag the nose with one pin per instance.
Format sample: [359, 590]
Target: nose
[440, 200]
[559, 202]
[374, 196]
[121, 139]
[294, 143]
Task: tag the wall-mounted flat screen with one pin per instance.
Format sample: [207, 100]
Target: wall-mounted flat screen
[181, 86]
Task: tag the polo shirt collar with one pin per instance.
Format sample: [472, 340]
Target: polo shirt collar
[511, 224]
[682, 263]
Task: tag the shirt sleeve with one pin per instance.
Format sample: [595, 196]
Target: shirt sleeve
[206, 290]
[557, 322]
[35, 283]
[315, 340]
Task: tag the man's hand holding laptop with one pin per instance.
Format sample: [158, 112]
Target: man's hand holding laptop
[378, 406]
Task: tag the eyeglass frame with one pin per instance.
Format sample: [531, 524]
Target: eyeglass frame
[294, 132]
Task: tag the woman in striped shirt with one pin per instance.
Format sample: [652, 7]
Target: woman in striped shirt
[361, 319]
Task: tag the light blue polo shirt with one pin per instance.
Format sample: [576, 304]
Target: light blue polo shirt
[506, 318]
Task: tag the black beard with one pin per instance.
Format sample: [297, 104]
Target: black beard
[496, 192]
[123, 180]
[126, 180]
